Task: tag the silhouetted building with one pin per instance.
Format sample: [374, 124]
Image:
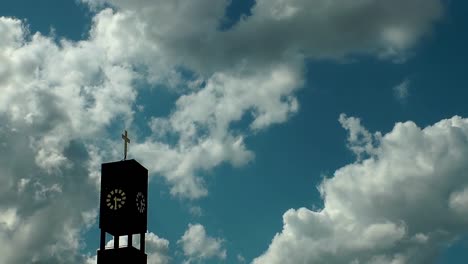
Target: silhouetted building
[123, 211]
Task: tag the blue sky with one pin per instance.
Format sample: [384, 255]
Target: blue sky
[274, 131]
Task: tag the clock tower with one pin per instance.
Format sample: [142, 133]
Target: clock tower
[123, 210]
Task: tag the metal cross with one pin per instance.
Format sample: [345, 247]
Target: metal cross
[127, 140]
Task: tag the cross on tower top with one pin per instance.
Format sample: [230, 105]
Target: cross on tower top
[126, 140]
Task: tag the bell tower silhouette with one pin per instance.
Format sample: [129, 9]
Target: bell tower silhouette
[123, 209]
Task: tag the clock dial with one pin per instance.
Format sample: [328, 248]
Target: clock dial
[115, 199]
[140, 202]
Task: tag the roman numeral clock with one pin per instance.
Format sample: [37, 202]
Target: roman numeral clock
[123, 209]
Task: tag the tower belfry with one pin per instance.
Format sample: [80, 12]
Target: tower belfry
[123, 210]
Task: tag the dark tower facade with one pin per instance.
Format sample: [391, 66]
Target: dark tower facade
[123, 211]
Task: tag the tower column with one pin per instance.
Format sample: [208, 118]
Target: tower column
[103, 240]
[130, 240]
[142, 242]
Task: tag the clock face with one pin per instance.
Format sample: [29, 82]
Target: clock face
[140, 202]
[116, 199]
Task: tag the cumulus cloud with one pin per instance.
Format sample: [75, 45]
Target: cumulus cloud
[248, 72]
[56, 98]
[60, 91]
[59, 98]
[157, 249]
[198, 246]
[189, 31]
[459, 201]
[42, 214]
[401, 204]
[45, 194]
[360, 141]
[202, 123]
[333, 29]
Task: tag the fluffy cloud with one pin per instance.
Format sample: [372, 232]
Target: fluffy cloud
[42, 213]
[197, 245]
[188, 32]
[59, 97]
[236, 75]
[336, 28]
[56, 98]
[60, 92]
[401, 204]
[202, 123]
[360, 141]
[157, 249]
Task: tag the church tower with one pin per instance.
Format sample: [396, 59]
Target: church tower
[123, 209]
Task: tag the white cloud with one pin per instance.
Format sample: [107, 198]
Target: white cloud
[337, 28]
[240, 258]
[178, 164]
[238, 76]
[157, 249]
[241, 76]
[91, 260]
[360, 141]
[401, 91]
[12, 33]
[196, 211]
[402, 204]
[202, 121]
[9, 219]
[41, 213]
[186, 33]
[458, 201]
[56, 98]
[317, 29]
[59, 98]
[61, 92]
[197, 245]
[203, 115]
